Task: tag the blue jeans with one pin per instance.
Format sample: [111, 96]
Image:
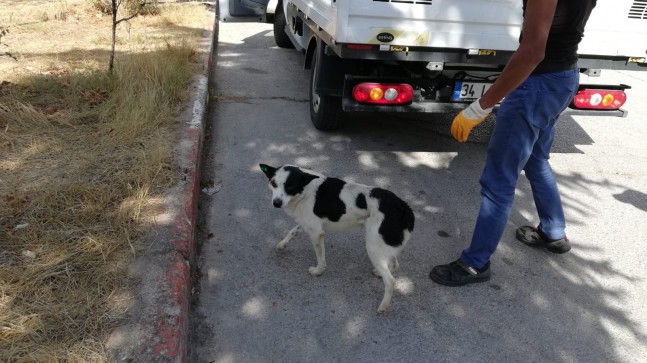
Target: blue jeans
[522, 138]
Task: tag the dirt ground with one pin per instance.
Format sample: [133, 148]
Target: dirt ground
[83, 156]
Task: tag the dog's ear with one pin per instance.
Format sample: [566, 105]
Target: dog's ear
[297, 180]
[268, 170]
[307, 178]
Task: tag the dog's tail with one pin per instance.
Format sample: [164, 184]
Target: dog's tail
[398, 216]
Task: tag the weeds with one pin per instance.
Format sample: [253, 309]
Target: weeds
[83, 158]
[3, 33]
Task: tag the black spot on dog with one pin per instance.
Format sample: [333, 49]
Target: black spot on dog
[360, 202]
[297, 180]
[398, 216]
[327, 201]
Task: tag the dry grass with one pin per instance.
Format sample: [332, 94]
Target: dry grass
[82, 156]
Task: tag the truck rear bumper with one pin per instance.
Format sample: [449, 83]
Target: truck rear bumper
[434, 96]
[614, 113]
[349, 105]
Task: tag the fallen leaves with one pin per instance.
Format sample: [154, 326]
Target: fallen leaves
[95, 97]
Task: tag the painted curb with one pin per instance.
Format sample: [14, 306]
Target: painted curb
[157, 330]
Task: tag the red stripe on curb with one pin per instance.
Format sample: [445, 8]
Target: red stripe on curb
[174, 336]
[171, 334]
[159, 329]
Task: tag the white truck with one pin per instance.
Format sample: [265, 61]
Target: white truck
[433, 55]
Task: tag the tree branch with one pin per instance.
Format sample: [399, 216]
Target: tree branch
[125, 19]
[9, 55]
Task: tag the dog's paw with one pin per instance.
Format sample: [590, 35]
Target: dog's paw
[376, 273]
[281, 245]
[315, 271]
[383, 308]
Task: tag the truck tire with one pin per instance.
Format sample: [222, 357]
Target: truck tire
[280, 37]
[326, 112]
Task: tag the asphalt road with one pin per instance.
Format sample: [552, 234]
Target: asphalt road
[256, 304]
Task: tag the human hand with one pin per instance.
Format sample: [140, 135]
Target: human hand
[467, 119]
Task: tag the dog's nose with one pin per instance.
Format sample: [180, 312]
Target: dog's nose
[277, 203]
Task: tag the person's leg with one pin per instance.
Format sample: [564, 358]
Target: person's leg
[550, 232]
[510, 146]
[544, 191]
[525, 125]
[559, 90]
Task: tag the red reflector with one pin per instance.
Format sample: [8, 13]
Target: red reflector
[359, 46]
[383, 94]
[599, 99]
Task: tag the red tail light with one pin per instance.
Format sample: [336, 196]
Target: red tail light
[383, 94]
[600, 99]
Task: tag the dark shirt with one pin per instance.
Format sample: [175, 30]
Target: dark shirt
[565, 34]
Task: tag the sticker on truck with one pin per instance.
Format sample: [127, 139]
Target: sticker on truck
[399, 36]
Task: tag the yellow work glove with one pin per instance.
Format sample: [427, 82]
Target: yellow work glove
[465, 121]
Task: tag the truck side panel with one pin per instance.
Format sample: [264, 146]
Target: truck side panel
[616, 27]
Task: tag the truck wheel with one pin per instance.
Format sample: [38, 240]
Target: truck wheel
[280, 38]
[326, 113]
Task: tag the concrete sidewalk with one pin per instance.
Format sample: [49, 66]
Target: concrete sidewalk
[256, 304]
[158, 328]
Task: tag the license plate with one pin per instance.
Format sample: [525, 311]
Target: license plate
[464, 91]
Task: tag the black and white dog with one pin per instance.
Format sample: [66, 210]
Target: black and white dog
[319, 203]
